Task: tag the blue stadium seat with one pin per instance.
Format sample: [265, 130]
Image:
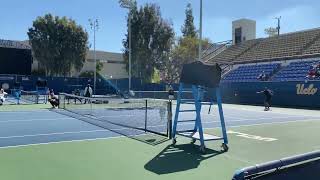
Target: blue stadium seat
[295, 71]
[249, 73]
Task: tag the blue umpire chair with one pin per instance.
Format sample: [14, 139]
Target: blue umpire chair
[199, 77]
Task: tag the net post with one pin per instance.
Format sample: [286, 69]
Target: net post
[91, 107]
[64, 102]
[146, 116]
[59, 99]
[169, 126]
[37, 97]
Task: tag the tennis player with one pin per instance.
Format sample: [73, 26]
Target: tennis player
[268, 95]
[171, 93]
[53, 99]
[3, 95]
[87, 92]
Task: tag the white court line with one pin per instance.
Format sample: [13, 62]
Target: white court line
[211, 122]
[117, 129]
[272, 116]
[25, 112]
[239, 119]
[273, 112]
[66, 141]
[114, 137]
[78, 132]
[271, 123]
[50, 134]
[31, 120]
[237, 159]
[73, 132]
[263, 113]
[57, 142]
[116, 116]
[241, 108]
[246, 118]
[268, 118]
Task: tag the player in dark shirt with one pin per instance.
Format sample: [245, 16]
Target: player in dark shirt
[171, 93]
[268, 95]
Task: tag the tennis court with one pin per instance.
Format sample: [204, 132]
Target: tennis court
[46, 144]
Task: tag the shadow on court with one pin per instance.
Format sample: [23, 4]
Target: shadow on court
[179, 158]
[151, 139]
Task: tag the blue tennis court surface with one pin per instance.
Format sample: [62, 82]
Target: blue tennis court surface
[44, 126]
[47, 126]
[57, 145]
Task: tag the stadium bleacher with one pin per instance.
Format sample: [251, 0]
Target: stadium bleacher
[287, 57]
[313, 49]
[250, 73]
[233, 52]
[214, 49]
[296, 71]
[286, 46]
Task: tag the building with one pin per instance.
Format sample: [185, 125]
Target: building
[295, 45]
[113, 63]
[243, 30]
[15, 58]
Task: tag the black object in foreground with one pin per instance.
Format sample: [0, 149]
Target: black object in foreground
[305, 166]
[198, 73]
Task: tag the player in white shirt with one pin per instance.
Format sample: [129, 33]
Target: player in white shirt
[3, 95]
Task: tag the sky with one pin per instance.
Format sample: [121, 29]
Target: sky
[16, 16]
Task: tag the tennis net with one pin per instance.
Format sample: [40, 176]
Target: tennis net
[160, 94]
[29, 97]
[134, 116]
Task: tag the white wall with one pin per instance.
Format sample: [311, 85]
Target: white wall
[113, 65]
[248, 29]
[114, 71]
[109, 70]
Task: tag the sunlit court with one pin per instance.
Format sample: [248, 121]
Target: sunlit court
[150, 89]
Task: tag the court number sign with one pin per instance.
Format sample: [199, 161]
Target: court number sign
[5, 86]
[304, 90]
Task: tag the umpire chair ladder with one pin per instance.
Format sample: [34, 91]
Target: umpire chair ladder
[197, 132]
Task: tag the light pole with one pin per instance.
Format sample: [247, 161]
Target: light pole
[200, 32]
[128, 4]
[94, 24]
[278, 27]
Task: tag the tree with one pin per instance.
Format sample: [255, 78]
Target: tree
[171, 73]
[271, 32]
[152, 39]
[99, 66]
[185, 51]
[59, 44]
[188, 29]
[90, 74]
